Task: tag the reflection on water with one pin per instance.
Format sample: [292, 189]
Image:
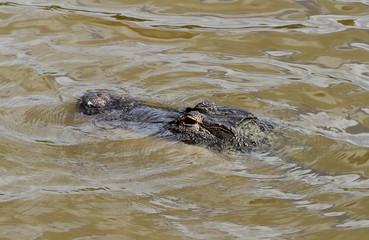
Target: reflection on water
[302, 64]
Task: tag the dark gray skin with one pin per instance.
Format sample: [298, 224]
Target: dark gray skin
[217, 127]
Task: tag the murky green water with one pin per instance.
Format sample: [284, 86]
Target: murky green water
[301, 63]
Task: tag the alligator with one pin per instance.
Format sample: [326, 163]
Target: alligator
[220, 128]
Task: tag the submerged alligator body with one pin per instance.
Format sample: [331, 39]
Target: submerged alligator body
[216, 127]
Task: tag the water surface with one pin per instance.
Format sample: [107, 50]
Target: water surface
[303, 64]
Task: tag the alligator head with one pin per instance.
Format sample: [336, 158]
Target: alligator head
[206, 124]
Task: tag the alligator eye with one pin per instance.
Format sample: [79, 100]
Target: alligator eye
[189, 120]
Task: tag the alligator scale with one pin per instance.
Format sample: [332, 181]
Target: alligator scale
[206, 124]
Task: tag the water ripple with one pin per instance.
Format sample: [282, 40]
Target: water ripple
[302, 62]
[141, 16]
